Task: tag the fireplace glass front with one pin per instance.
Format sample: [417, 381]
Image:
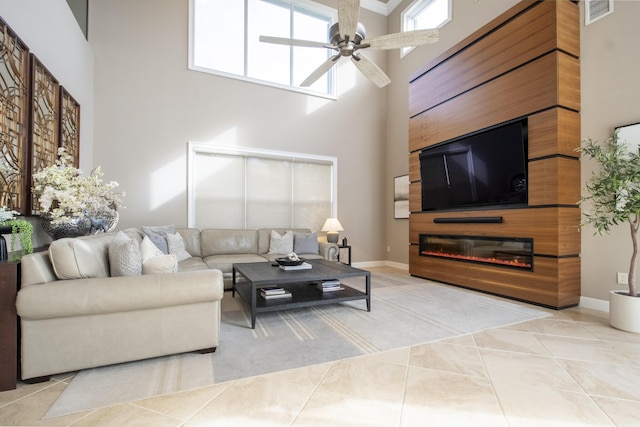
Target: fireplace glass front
[498, 251]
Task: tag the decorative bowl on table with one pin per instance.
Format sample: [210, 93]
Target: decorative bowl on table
[288, 262]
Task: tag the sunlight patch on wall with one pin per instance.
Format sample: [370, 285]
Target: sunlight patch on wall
[163, 187]
[347, 77]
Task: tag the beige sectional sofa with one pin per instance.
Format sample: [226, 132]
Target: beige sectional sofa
[74, 314]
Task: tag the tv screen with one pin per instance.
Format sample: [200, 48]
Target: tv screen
[485, 169]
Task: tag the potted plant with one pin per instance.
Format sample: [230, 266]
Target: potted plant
[18, 227]
[613, 197]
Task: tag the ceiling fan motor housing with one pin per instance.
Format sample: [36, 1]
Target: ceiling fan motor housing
[334, 34]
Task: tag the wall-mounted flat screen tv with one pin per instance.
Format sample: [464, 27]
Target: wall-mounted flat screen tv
[485, 169]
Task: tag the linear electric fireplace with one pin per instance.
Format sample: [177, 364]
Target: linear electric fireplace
[498, 251]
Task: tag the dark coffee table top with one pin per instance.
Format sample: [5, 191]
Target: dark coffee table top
[263, 273]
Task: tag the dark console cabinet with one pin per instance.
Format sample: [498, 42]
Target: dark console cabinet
[9, 277]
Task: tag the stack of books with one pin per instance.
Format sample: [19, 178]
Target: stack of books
[274, 293]
[329, 286]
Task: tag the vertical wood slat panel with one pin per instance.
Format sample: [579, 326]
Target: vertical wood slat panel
[539, 285]
[554, 230]
[517, 42]
[524, 91]
[554, 181]
[555, 131]
[457, 94]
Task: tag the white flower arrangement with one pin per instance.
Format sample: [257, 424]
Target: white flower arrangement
[65, 195]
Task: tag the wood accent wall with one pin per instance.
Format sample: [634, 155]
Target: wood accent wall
[525, 63]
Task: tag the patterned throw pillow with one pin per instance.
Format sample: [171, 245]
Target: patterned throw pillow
[306, 243]
[124, 256]
[175, 242]
[281, 245]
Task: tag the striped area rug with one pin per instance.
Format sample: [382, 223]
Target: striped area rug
[405, 311]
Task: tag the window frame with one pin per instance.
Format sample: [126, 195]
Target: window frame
[295, 5]
[408, 16]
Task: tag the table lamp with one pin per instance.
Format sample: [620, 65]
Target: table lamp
[332, 226]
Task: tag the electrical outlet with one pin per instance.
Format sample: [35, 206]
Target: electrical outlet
[623, 278]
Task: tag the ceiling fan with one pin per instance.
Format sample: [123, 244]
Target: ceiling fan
[347, 37]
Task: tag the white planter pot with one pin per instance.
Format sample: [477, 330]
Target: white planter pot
[624, 312]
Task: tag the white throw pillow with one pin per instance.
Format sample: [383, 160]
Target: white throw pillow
[160, 264]
[124, 256]
[148, 249]
[175, 242]
[281, 245]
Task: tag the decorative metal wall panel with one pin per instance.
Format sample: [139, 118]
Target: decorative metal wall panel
[70, 125]
[45, 120]
[14, 83]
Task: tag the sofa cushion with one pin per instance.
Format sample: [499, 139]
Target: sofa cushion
[192, 264]
[281, 244]
[81, 257]
[160, 264]
[158, 235]
[175, 243]
[228, 241]
[225, 263]
[124, 256]
[305, 243]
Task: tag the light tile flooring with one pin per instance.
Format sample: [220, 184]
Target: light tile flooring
[568, 369]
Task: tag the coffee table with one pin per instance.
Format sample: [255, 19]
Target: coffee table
[299, 282]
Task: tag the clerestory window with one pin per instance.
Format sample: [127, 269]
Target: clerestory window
[224, 40]
[423, 15]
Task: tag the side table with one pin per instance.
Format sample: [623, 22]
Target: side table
[9, 277]
[348, 248]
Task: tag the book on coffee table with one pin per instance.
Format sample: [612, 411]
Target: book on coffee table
[285, 294]
[303, 266]
[272, 290]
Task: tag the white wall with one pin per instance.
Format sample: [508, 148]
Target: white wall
[149, 105]
[51, 32]
[610, 98]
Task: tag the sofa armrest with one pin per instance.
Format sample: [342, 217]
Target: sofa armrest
[329, 251]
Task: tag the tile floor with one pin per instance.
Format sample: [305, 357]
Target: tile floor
[568, 369]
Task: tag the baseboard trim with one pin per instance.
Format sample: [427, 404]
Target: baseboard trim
[595, 304]
[393, 264]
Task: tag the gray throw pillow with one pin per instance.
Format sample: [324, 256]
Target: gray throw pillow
[158, 235]
[124, 256]
[305, 243]
[176, 246]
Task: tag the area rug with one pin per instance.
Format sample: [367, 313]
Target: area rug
[405, 311]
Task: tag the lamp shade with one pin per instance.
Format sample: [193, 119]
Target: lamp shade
[332, 224]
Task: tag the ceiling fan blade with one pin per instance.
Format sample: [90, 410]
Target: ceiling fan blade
[348, 12]
[406, 39]
[318, 72]
[370, 70]
[294, 42]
